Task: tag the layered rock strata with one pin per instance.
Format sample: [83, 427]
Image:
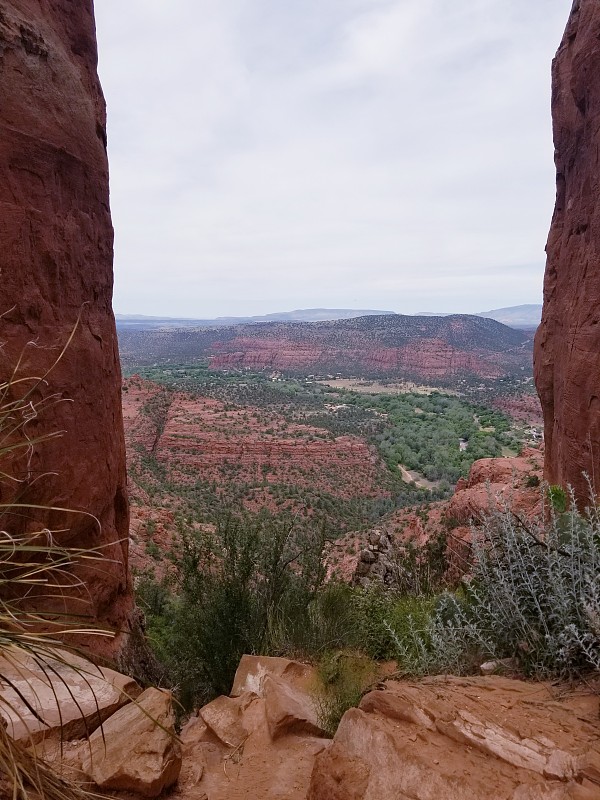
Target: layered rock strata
[567, 347]
[459, 739]
[56, 249]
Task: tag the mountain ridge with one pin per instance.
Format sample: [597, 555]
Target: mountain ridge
[386, 345]
[297, 315]
[525, 316]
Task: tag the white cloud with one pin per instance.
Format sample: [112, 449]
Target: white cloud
[386, 153]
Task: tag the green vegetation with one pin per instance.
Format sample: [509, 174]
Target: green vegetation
[343, 679]
[239, 590]
[558, 499]
[533, 596]
[424, 433]
[256, 583]
[437, 436]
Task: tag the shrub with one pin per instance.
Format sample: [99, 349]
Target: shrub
[558, 499]
[534, 596]
[247, 588]
[436, 639]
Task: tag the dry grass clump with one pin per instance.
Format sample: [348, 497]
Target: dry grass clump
[34, 568]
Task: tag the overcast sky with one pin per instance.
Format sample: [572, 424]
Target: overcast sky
[268, 155]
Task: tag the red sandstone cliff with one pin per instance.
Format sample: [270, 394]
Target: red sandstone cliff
[567, 348]
[56, 248]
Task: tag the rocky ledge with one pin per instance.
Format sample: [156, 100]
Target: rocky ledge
[442, 737]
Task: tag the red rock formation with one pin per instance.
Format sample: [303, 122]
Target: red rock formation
[567, 349]
[493, 483]
[242, 451]
[427, 358]
[396, 345]
[56, 247]
[205, 438]
[462, 739]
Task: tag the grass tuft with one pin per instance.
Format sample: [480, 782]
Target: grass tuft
[35, 570]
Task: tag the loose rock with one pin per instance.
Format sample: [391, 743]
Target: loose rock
[136, 750]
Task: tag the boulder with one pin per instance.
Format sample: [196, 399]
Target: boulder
[223, 717]
[70, 695]
[288, 709]
[252, 670]
[260, 767]
[136, 750]
[368, 556]
[457, 738]
[259, 744]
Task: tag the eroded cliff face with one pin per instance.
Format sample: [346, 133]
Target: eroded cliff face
[56, 248]
[567, 348]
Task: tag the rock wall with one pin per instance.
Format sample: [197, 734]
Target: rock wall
[56, 250]
[567, 348]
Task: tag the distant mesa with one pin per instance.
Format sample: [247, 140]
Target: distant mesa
[524, 317]
[299, 315]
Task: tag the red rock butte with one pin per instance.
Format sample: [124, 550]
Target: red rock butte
[56, 251]
[567, 349]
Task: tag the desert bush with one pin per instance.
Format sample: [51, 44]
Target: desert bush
[247, 588]
[534, 596]
[421, 570]
[559, 499]
[326, 623]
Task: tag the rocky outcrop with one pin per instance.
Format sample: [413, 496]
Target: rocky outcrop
[56, 248]
[380, 555]
[567, 347]
[497, 483]
[441, 737]
[377, 560]
[459, 739]
[58, 696]
[93, 725]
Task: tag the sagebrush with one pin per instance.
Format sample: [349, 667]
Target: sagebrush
[533, 596]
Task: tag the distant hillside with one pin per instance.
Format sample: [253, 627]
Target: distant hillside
[142, 322]
[525, 317]
[370, 346]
